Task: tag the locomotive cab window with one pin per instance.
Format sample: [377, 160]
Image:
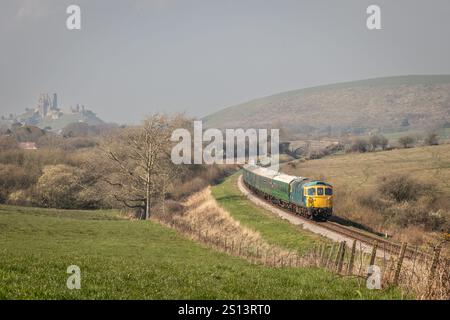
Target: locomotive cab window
[328, 191]
[320, 191]
[311, 192]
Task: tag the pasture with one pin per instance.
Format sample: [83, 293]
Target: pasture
[123, 259]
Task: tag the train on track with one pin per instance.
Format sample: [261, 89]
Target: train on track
[311, 199]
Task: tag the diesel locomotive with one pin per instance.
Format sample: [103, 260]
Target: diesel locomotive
[311, 199]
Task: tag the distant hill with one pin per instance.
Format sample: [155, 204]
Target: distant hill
[382, 104]
[66, 119]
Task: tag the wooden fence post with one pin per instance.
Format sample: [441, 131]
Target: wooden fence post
[338, 255]
[374, 253]
[399, 263]
[330, 255]
[341, 257]
[352, 258]
[434, 263]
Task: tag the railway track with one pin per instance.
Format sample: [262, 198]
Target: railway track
[411, 253]
[383, 244]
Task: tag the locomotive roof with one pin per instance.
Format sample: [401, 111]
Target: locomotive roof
[317, 183]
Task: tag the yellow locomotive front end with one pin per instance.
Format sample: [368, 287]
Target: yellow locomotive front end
[319, 199]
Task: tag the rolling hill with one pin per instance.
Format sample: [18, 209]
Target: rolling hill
[391, 104]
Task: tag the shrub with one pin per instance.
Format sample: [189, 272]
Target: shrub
[330, 149]
[78, 143]
[359, 145]
[406, 141]
[384, 142]
[58, 187]
[7, 142]
[411, 214]
[12, 178]
[19, 198]
[378, 141]
[402, 188]
[431, 139]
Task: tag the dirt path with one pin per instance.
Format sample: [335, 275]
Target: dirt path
[304, 223]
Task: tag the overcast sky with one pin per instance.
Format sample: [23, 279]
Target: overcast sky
[134, 57]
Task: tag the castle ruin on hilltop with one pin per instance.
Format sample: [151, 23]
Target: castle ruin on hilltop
[47, 109]
[48, 106]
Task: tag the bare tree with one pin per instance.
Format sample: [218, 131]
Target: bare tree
[384, 142]
[431, 139]
[140, 159]
[407, 141]
[378, 141]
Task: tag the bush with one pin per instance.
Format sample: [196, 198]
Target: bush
[12, 178]
[406, 141]
[330, 149]
[412, 214]
[403, 188]
[406, 203]
[431, 139]
[78, 143]
[378, 141]
[58, 187]
[8, 142]
[20, 198]
[359, 145]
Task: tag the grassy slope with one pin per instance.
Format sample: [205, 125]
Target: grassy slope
[67, 119]
[358, 171]
[139, 259]
[273, 229]
[369, 104]
[357, 174]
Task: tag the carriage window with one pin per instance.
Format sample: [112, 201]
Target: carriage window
[328, 191]
[320, 191]
[311, 192]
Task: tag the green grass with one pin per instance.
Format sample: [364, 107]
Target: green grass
[122, 259]
[272, 228]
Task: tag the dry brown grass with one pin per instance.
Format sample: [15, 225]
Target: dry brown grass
[202, 219]
[356, 178]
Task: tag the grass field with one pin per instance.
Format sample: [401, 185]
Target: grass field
[122, 259]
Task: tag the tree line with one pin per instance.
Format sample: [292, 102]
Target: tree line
[127, 168]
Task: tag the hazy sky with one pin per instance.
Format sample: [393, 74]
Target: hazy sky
[133, 57]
